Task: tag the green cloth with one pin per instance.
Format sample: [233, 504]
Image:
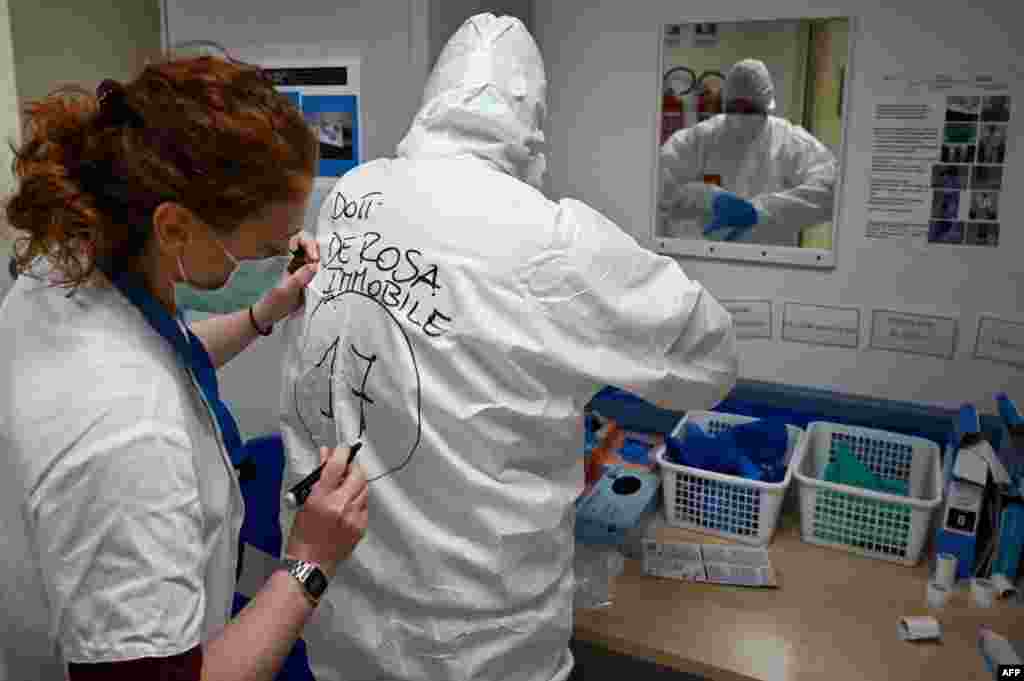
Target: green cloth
[847, 469]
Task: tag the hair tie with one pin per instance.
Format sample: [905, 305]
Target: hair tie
[105, 89]
[114, 109]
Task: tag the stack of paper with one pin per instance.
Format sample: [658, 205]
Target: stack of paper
[712, 563]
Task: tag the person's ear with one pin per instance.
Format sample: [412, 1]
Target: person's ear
[173, 227]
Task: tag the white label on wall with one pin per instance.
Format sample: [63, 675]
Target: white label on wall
[1000, 341]
[913, 333]
[750, 318]
[821, 325]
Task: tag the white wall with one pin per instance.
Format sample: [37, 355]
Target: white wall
[69, 41]
[602, 61]
[46, 43]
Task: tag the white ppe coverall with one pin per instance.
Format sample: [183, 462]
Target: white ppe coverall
[784, 171]
[459, 323]
[120, 510]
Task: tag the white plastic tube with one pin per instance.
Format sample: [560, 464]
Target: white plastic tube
[983, 592]
[945, 570]
[938, 594]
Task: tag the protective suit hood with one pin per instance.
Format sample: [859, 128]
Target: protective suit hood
[486, 98]
[750, 80]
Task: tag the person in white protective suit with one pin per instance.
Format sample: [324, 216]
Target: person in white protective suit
[745, 175]
[458, 325]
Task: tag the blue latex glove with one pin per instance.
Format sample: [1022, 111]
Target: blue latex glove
[1008, 411]
[730, 211]
[765, 442]
[755, 450]
[716, 453]
[748, 469]
[699, 451]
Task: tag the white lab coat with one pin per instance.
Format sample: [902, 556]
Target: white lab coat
[781, 168]
[119, 507]
[458, 325]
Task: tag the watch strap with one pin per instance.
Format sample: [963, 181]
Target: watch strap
[309, 576]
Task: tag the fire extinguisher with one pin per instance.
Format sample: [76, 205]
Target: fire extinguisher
[673, 115]
[677, 83]
[702, 105]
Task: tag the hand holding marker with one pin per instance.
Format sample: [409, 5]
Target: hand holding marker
[298, 260]
[296, 496]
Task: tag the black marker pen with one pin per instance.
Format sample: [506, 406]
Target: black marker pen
[296, 496]
[298, 260]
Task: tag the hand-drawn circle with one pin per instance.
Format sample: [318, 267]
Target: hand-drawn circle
[336, 299]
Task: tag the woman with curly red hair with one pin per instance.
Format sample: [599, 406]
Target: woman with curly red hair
[120, 508]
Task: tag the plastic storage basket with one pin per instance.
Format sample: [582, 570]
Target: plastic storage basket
[719, 504]
[875, 524]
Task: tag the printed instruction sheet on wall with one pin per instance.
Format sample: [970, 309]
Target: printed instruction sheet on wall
[939, 151]
[711, 563]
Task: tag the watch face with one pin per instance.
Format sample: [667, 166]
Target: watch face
[316, 582]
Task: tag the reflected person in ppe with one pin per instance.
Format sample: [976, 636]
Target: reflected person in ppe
[459, 325]
[775, 178]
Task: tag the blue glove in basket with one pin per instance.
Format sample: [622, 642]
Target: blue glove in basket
[755, 450]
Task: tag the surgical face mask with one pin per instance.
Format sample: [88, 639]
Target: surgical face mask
[246, 285]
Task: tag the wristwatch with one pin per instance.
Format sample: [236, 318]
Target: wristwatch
[309, 575]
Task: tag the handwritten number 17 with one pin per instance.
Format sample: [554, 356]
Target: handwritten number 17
[364, 398]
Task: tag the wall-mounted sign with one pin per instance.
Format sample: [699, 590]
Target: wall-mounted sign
[821, 325]
[914, 333]
[750, 318]
[1000, 341]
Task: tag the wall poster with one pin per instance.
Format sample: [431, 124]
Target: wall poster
[939, 151]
